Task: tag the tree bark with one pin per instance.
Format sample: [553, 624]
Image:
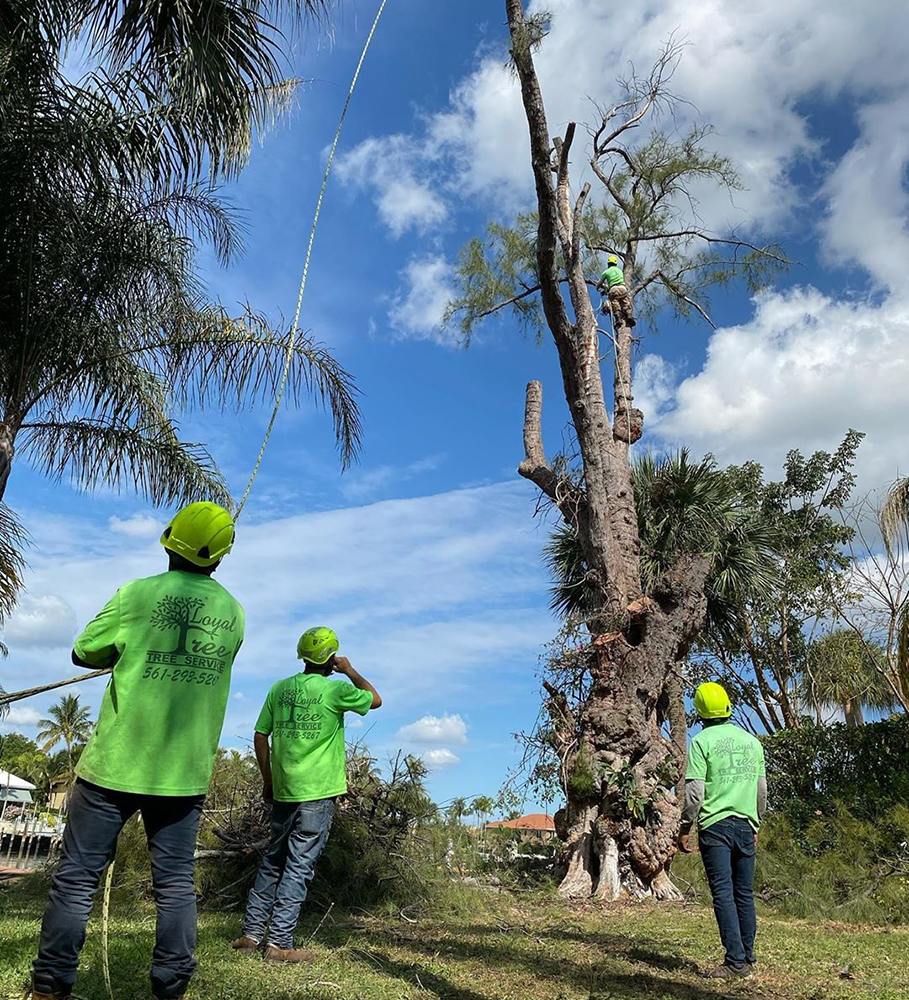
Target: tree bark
[621, 822]
[7, 450]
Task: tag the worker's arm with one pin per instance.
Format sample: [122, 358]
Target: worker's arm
[343, 666]
[263, 756]
[694, 799]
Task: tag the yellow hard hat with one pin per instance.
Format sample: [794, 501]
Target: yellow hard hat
[201, 533]
[712, 702]
[613, 260]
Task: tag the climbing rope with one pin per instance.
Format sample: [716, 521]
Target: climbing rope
[292, 339]
[291, 344]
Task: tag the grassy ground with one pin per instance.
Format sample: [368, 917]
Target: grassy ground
[499, 948]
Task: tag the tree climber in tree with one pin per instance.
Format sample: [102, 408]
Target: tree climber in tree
[726, 796]
[303, 773]
[612, 282]
[171, 640]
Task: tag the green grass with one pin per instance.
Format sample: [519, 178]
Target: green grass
[501, 947]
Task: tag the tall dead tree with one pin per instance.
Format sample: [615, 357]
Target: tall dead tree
[622, 817]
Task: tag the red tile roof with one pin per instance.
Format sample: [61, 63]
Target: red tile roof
[533, 821]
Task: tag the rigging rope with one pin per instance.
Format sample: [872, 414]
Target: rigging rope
[292, 338]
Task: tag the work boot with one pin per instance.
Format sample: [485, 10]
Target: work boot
[273, 954]
[245, 944]
[49, 989]
[726, 971]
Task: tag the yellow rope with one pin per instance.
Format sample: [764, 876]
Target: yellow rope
[105, 924]
[292, 339]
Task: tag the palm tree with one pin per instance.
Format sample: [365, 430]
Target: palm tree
[481, 807]
[684, 508]
[70, 724]
[105, 330]
[457, 808]
[844, 671]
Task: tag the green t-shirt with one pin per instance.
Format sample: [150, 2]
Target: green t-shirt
[729, 761]
[304, 715]
[614, 276]
[174, 638]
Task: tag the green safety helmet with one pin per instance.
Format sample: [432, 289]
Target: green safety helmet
[317, 645]
[201, 533]
[612, 260]
[712, 702]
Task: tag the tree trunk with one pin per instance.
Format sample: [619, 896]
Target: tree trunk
[621, 820]
[852, 710]
[678, 728]
[7, 450]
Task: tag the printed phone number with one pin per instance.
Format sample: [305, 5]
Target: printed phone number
[178, 676]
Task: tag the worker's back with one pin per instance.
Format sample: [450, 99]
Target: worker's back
[174, 637]
[730, 762]
[304, 715]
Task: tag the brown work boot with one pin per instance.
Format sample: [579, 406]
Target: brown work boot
[245, 944]
[273, 954]
[47, 996]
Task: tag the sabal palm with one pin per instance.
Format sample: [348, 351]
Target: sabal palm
[843, 671]
[683, 508]
[69, 723]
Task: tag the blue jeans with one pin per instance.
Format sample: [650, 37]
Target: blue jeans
[96, 817]
[728, 849]
[299, 832]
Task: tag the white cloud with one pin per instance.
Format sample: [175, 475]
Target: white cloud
[440, 757]
[365, 485]
[137, 526]
[429, 587]
[751, 70]
[20, 716]
[800, 373]
[386, 168]
[428, 287]
[45, 621]
[435, 729]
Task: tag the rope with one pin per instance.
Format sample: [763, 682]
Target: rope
[291, 344]
[105, 924]
[292, 340]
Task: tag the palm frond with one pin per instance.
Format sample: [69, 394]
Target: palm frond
[13, 539]
[895, 512]
[150, 459]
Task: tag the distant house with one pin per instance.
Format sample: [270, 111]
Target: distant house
[14, 790]
[539, 825]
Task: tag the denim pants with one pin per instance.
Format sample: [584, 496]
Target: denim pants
[299, 832]
[727, 848]
[96, 817]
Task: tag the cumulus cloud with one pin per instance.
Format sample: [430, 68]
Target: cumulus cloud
[435, 729]
[440, 757]
[801, 372]
[137, 526]
[418, 309]
[386, 168]
[42, 621]
[750, 70]
[19, 716]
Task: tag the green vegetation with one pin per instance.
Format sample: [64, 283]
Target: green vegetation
[490, 946]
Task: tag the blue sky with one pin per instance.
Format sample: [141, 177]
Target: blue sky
[425, 556]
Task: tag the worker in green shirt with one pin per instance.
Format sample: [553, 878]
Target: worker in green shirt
[620, 303]
[171, 640]
[726, 796]
[303, 773]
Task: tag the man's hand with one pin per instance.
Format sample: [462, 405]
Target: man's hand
[684, 846]
[268, 792]
[755, 841]
[341, 665]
